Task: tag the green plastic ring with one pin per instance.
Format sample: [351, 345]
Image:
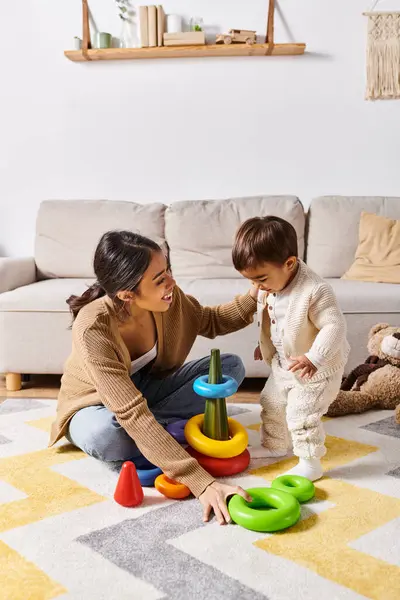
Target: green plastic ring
[300, 487]
[250, 515]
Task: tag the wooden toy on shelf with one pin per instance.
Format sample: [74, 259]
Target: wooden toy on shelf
[237, 36]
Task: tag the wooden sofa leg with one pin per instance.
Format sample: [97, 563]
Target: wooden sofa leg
[13, 382]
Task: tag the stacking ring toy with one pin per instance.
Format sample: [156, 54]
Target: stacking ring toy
[221, 467]
[216, 448]
[250, 515]
[300, 487]
[177, 430]
[142, 463]
[147, 476]
[228, 387]
[170, 488]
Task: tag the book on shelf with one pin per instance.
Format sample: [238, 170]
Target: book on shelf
[160, 25]
[188, 38]
[152, 24]
[143, 27]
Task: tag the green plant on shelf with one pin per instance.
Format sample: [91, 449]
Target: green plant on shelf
[196, 24]
[124, 9]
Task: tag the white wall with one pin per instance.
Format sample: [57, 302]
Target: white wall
[185, 129]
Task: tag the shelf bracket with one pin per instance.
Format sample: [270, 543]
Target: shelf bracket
[86, 45]
[269, 37]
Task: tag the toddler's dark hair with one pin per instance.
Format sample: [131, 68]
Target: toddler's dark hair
[263, 239]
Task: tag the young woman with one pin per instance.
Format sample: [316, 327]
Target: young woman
[125, 379]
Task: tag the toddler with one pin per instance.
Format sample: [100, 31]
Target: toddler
[302, 337]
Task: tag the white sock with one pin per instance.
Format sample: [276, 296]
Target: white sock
[262, 452]
[308, 467]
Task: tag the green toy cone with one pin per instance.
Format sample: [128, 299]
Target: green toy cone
[215, 416]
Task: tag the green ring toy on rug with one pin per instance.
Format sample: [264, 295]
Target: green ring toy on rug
[272, 509]
[300, 487]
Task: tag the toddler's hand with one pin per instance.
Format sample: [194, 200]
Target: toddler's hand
[301, 362]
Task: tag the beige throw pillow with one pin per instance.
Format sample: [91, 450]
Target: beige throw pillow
[378, 253]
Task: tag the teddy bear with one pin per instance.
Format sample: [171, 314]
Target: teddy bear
[376, 383]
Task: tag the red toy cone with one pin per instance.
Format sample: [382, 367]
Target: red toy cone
[128, 492]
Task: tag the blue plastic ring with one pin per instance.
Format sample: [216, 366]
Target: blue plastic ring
[148, 476]
[215, 390]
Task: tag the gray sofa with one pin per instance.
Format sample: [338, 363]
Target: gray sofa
[34, 319]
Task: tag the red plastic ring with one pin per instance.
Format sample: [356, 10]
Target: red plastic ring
[221, 467]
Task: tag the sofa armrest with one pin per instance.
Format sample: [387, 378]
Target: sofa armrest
[16, 272]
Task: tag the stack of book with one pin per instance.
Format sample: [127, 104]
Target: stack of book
[151, 26]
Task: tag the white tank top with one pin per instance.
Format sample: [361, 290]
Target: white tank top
[143, 360]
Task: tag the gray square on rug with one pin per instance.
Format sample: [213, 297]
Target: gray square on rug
[20, 405]
[140, 546]
[386, 426]
[394, 472]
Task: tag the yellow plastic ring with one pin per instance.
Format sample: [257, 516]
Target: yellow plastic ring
[216, 448]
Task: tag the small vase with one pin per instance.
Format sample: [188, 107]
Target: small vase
[102, 40]
[174, 23]
[129, 37]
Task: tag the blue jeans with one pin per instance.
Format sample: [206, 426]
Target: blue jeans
[96, 431]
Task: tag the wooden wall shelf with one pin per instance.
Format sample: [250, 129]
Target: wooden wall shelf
[269, 48]
[186, 52]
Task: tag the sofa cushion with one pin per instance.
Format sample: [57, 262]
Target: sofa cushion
[362, 297]
[34, 342]
[43, 296]
[200, 234]
[333, 225]
[378, 253]
[67, 232]
[211, 292]
[34, 326]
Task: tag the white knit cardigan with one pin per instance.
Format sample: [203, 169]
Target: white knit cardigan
[313, 321]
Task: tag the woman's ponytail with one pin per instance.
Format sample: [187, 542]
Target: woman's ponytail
[75, 303]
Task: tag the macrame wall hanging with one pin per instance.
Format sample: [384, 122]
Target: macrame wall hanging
[383, 54]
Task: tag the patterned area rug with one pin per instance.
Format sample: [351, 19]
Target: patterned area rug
[63, 536]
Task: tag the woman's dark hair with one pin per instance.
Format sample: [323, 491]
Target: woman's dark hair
[263, 239]
[120, 261]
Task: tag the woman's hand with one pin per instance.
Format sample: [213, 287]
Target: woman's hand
[254, 291]
[214, 498]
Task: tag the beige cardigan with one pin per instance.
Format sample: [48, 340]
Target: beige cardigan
[313, 321]
[97, 372]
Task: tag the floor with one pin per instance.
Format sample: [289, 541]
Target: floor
[63, 535]
[47, 386]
